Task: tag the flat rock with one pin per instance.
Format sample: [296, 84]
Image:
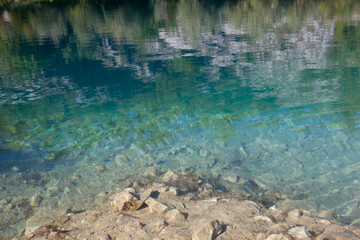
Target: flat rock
[174, 216]
[36, 221]
[156, 206]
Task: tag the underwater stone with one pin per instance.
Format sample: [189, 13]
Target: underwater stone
[121, 160]
[243, 152]
[36, 221]
[170, 176]
[299, 233]
[14, 169]
[204, 153]
[36, 200]
[134, 152]
[338, 233]
[174, 191]
[208, 230]
[230, 177]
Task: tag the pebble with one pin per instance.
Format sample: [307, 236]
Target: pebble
[100, 168]
[230, 177]
[174, 191]
[170, 176]
[263, 219]
[299, 233]
[207, 230]
[15, 169]
[3, 201]
[204, 153]
[121, 160]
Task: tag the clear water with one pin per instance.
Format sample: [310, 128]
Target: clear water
[267, 90]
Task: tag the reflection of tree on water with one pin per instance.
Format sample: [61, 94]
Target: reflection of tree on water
[174, 46]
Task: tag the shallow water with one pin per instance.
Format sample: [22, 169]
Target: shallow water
[266, 91]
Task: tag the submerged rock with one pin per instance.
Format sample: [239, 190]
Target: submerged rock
[121, 160]
[230, 177]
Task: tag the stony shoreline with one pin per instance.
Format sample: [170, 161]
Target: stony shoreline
[183, 206]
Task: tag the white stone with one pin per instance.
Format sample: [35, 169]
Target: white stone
[174, 216]
[156, 206]
[263, 219]
[174, 191]
[121, 199]
[295, 214]
[299, 233]
[208, 230]
[230, 177]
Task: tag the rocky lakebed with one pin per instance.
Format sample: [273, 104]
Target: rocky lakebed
[181, 205]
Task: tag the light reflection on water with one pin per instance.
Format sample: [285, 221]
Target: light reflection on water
[266, 91]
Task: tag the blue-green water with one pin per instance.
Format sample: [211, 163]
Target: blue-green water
[266, 90]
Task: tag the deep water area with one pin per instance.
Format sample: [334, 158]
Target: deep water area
[261, 98]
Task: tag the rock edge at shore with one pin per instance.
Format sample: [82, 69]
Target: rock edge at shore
[182, 207]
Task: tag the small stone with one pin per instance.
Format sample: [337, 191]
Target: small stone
[208, 230]
[124, 200]
[174, 216]
[277, 237]
[263, 219]
[230, 177]
[329, 215]
[299, 233]
[15, 169]
[280, 196]
[170, 176]
[121, 160]
[243, 153]
[204, 153]
[156, 206]
[295, 214]
[100, 168]
[211, 162]
[36, 200]
[4, 201]
[153, 172]
[174, 191]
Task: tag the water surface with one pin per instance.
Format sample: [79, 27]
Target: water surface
[266, 90]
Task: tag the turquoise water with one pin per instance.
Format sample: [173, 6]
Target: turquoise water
[95, 95]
